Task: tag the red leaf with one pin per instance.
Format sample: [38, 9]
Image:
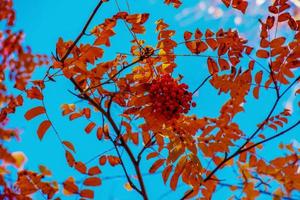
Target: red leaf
[90, 127]
[258, 77]
[70, 186]
[174, 181]
[273, 126]
[224, 65]
[99, 133]
[157, 164]
[226, 2]
[70, 159]
[94, 171]
[166, 173]
[80, 166]
[102, 160]
[256, 92]
[34, 93]
[87, 193]
[277, 42]
[212, 66]
[152, 155]
[187, 35]
[74, 116]
[113, 160]
[92, 181]
[262, 53]
[32, 113]
[69, 145]
[284, 17]
[44, 126]
[240, 5]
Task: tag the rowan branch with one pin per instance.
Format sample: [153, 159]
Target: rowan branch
[82, 31]
[270, 138]
[202, 83]
[240, 150]
[99, 108]
[147, 145]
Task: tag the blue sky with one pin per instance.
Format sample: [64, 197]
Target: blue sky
[45, 21]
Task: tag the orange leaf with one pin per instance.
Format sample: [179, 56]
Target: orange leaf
[258, 77]
[256, 92]
[92, 181]
[80, 166]
[240, 5]
[87, 193]
[90, 127]
[113, 160]
[157, 164]
[152, 155]
[94, 171]
[187, 35]
[262, 53]
[69, 145]
[273, 126]
[44, 126]
[226, 2]
[67, 108]
[43, 169]
[19, 158]
[174, 181]
[137, 18]
[70, 186]
[166, 173]
[74, 116]
[233, 188]
[224, 65]
[277, 42]
[32, 113]
[102, 160]
[212, 66]
[243, 157]
[70, 159]
[34, 93]
[127, 186]
[284, 17]
[99, 133]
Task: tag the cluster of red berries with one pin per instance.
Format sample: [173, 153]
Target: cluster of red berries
[169, 98]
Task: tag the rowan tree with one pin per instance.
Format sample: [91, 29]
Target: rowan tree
[136, 103]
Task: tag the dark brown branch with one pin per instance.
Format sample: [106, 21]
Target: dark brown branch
[272, 72]
[119, 72]
[202, 83]
[99, 108]
[117, 131]
[240, 150]
[147, 145]
[82, 31]
[271, 138]
[124, 168]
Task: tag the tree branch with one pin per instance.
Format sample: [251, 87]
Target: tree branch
[240, 150]
[202, 83]
[82, 31]
[271, 138]
[99, 108]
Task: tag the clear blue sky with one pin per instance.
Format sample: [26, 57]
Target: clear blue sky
[45, 21]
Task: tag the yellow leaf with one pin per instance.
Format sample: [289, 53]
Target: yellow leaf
[20, 158]
[127, 186]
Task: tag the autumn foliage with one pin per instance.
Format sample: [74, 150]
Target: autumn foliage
[184, 148]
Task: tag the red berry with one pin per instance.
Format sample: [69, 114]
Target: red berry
[169, 98]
